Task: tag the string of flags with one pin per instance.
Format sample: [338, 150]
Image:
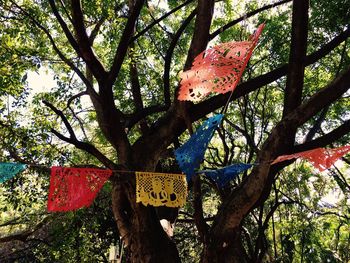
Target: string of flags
[73, 188]
[217, 69]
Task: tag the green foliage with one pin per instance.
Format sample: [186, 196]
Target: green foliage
[304, 228]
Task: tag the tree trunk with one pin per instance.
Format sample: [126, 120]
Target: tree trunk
[149, 243]
[225, 251]
[140, 228]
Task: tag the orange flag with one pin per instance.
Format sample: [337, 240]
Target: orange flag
[217, 69]
[321, 158]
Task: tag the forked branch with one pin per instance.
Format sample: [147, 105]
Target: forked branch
[87, 147]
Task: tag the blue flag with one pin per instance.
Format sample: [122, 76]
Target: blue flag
[190, 155]
[224, 175]
[9, 170]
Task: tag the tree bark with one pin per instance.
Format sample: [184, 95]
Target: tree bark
[140, 228]
[138, 225]
[229, 251]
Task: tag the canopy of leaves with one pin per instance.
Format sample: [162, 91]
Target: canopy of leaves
[305, 218]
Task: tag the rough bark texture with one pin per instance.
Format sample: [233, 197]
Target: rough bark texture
[138, 225]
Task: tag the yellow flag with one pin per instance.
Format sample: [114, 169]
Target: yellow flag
[161, 189]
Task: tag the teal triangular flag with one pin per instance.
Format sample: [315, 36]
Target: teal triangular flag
[9, 170]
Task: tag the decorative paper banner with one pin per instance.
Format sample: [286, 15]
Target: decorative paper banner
[217, 69]
[160, 189]
[73, 188]
[321, 158]
[190, 155]
[224, 175]
[9, 170]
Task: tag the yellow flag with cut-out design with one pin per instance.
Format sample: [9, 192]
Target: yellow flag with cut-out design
[161, 189]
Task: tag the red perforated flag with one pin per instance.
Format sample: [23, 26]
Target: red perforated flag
[73, 188]
[321, 158]
[217, 69]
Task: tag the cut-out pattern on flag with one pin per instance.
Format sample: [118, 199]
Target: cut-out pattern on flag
[217, 69]
[9, 170]
[161, 189]
[320, 158]
[224, 175]
[73, 188]
[190, 155]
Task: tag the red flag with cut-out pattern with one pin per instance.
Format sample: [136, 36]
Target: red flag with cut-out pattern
[73, 188]
[217, 69]
[321, 158]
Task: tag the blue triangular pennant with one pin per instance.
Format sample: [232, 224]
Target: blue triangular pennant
[190, 155]
[9, 170]
[224, 175]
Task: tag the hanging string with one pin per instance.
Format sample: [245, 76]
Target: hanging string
[102, 168]
[224, 109]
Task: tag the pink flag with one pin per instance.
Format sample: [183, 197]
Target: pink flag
[217, 69]
[321, 158]
[73, 188]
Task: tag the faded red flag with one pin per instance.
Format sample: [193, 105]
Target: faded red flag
[73, 188]
[321, 158]
[217, 69]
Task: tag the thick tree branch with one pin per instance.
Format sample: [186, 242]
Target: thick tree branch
[172, 120]
[312, 132]
[317, 126]
[320, 100]
[169, 55]
[324, 140]
[327, 48]
[63, 117]
[95, 30]
[124, 42]
[110, 121]
[23, 236]
[218, 101]
[87, 147]
[156, 142]
[84, 43]
[58, 51]
[121, 211]
[65, 28]
[250, 14]
[200, 39]
[80, 94]
[251, 189]
[295, 75]
[134, 118]
[135, 86]
[198, 210]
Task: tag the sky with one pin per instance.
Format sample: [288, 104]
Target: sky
[41, 81]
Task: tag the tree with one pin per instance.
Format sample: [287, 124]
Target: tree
[139, 118]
